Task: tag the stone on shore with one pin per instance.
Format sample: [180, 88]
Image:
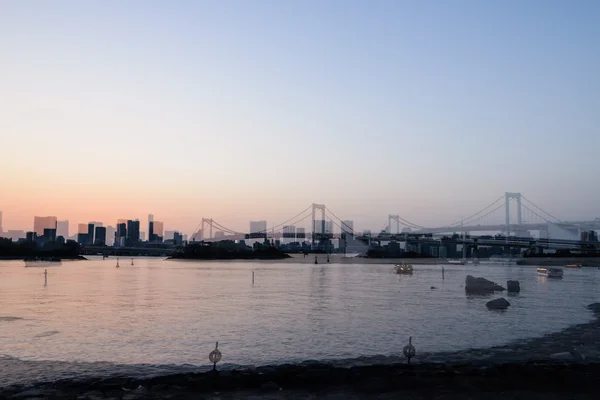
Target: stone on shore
[595, 307]
[481, 285]
[513, 286]
[498, 304]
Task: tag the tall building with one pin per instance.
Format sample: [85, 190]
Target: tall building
[82, 228]
[177, 238]
[62, 228]
[100, 236]
[258, 226]
[300, 233]
[41, 223]
[169, 235]
[82, 238]
[320, 224]
[133, 232]
[121, 234]
[110, 235]
[159, 229]
[1, 222]
[90, 233]
[151, 232]
[289, 231]
[49, 235]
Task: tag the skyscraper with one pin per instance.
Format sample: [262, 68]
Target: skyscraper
[90, 233]
[289, 231]
[110, 235]
[100, 236]
[62, 229]
[151, 228]
[1, 222]
[133, 232]
[121, 234]
[258, 229]
[49, 235]
[158, 229]
[151, 231]
[41, 223]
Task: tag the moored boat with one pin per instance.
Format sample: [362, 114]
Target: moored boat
[550, 272]
[403, 268]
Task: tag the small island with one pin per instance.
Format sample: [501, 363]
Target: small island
[228, 250]
[27, 250]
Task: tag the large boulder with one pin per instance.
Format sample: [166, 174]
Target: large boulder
[481, 285]
[513, 286]
[498, 304]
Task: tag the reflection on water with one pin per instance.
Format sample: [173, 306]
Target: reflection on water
[172, 312]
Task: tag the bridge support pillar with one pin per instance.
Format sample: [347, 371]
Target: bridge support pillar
[315, 208]
[507, 198]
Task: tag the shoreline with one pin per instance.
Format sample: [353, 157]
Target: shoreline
[568, 361]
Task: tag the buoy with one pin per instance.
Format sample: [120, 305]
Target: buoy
[215, 356]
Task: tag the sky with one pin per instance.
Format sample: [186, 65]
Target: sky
[252, 110]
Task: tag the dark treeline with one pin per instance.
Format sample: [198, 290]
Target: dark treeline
[24, 249]
[228, 251]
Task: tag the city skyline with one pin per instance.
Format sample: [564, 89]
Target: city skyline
[251, 111]
[331, 224]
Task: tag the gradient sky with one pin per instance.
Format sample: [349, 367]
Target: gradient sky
[241, 110]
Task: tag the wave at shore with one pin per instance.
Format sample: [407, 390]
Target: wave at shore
[574, 345]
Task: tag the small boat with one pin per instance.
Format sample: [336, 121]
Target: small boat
[573, 266]
[403, 268]
[550, 272]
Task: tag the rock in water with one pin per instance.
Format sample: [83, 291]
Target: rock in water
[498, 304]
[513, 286]
[481, 285]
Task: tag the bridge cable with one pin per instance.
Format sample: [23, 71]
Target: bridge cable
[539, 208]
[462, 221]
[224, 228]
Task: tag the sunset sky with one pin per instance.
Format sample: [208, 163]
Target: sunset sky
[247, 110]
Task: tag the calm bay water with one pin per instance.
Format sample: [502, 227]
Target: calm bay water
[172, 312]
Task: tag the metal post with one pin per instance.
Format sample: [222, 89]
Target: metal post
[507, 210]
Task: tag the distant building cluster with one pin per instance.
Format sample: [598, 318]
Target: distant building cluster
[126, 233]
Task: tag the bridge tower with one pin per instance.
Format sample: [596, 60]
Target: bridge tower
[507, 198]
[396, 218]
[315, 208]
[208, 221]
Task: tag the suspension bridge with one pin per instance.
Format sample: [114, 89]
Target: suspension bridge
[497, 216]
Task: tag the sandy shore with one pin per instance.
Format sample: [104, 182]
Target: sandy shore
[559, 365]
